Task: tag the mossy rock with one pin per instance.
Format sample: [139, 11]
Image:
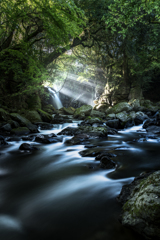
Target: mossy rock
[135, 104]
[24, 122]
[141, 212]
[20, 131]
[102, 107]
[85, 109]
[93, 120]
[49, 109]
[148, 105]
[95, 113]
[111, 116]
[4, 115]
[33, 116]
[46, 117]
[69, 110]
[120, 107]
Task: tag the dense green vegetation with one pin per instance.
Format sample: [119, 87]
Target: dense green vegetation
[112, 42]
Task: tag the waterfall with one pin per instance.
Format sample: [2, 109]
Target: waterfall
[56, 102]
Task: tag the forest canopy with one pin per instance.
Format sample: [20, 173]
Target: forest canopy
[118, 37]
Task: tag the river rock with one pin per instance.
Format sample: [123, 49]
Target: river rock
[46, 117]
[123, 116]
[120, 107]
[44, 125]
[111, 116]
[27, 147]
[102, 107]
[89, 152]
[149, 122]
[141, 209]
[93, 132]
[135, 104]
[107, 163]
[60, 119]
[113, 123]
[104, 154]
[85, 109]
[20, 131]
[24, 122]
[78, 139]
[50, 138]
[92, 120]
[148, 105]
[153, 129]
[49, 109]
[33, 116]
[69, 110]
[140, 117]
[95, 113]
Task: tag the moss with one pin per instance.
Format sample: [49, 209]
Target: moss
[32, 116]
[92, 118]
[20, 130]
[45, 116]
[49, 109]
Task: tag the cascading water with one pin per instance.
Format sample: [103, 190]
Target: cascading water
[56, 102]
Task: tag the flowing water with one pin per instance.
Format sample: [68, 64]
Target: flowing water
[54, 193]
[56, 102]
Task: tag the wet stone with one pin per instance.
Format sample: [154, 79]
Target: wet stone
[107, 163]
[51, 138]
[27, 147]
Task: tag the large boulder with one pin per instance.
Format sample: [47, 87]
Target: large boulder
[51, 138]
[20, 131]
[49, 109]
[85, 109]
[24, 122]
[102, 107]
[149, 106]
[140, 117]
[153, 129]
[135, 104]
[93, 132]
[111, 116]
[33, 116]
[46, 117]
[120, 107]
[69, 110]
[142, 211]
[123, 116]
[95, 113]
[113, 123]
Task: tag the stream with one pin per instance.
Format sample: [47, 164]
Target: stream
[54, 193]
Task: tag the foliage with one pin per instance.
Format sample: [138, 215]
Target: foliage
[32, 34]
[126, 13]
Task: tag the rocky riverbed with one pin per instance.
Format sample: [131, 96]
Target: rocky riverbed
[95, 132]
